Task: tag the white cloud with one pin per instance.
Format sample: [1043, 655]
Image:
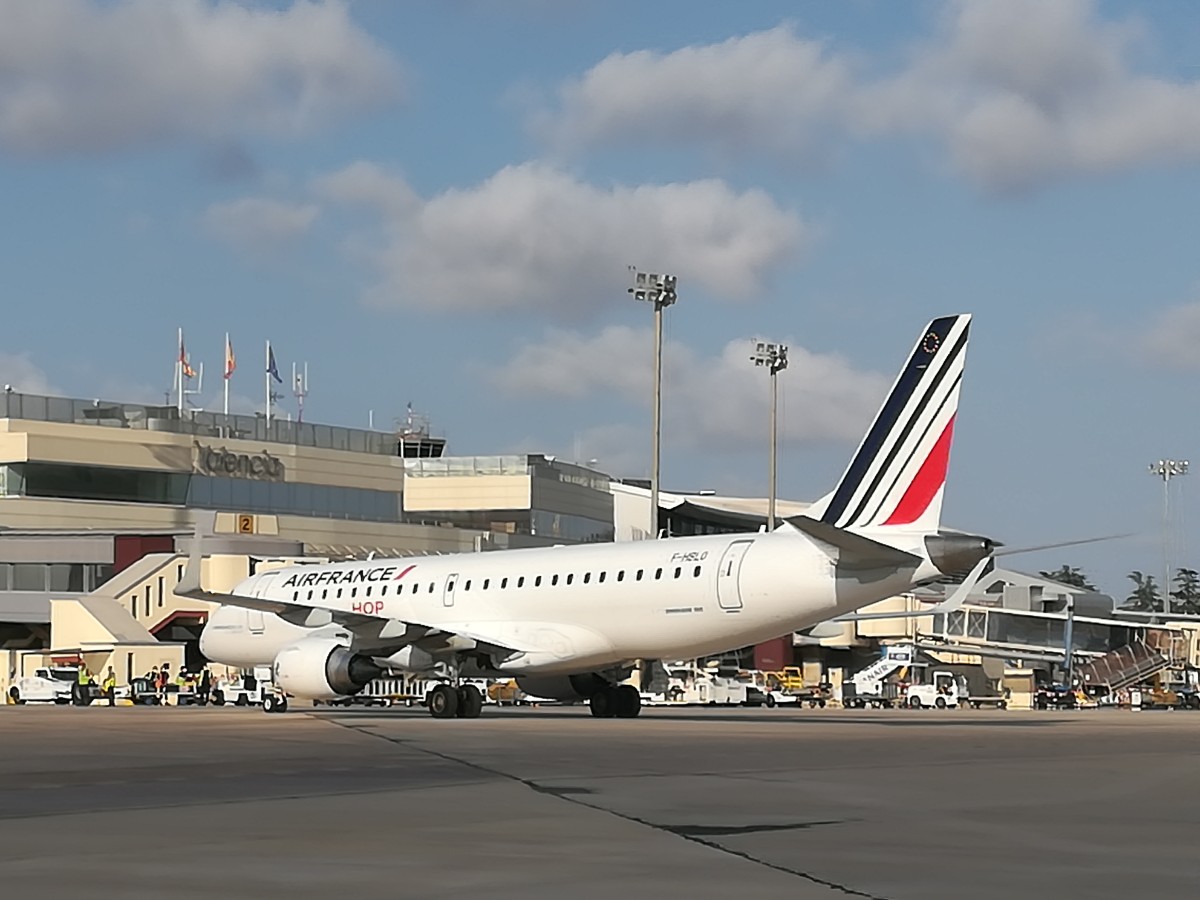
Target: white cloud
[1018, 92]
[532, 236]
[80, 75]
[708, 400]
[1171, 338]
[258, 222]
[766, 90]
[19, 371]
[1024, 91]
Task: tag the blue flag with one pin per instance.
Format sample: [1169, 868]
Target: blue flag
[272, 370]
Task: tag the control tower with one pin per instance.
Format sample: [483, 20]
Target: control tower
[413, 440]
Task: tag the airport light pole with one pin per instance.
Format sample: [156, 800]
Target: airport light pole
[775, 358]
[659, 290]
[1166, 469]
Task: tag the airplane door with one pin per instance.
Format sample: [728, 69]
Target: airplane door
[448, 591]
[729, 596]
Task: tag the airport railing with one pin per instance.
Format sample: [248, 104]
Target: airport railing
[212, 425]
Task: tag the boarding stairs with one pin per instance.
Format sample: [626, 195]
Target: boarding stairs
[1125, 666]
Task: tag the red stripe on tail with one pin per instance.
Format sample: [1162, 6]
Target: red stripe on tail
[928, 482]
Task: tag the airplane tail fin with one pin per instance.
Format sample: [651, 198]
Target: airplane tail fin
[897, 476]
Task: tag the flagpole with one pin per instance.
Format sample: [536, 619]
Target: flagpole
[267, 376]
[227, 373]
[179, 374]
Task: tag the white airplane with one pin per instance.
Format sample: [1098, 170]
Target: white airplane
[569, 622]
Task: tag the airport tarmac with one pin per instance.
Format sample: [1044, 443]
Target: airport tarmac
[697, 804]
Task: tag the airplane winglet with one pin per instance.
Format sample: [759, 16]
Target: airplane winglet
[189, 584]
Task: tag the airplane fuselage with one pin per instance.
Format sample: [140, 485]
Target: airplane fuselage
[571, 609]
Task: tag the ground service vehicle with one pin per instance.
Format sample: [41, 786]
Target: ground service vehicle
[1055, 696]
[941, 693]
[870, 687]
[248, 690]
[50, 684]
[567, 621]
[139, 692]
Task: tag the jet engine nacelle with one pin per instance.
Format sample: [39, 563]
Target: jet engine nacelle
[562, 687]
[322, 669]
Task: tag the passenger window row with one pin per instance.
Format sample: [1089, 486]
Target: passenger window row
[519, 581]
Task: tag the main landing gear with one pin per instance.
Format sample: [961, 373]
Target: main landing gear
[616, 701]
[448, 702]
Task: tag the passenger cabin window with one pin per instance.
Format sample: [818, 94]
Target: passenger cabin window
[450, 586]
[295, 596]
[310, 595]
[553, 580]
[325, 594]
[486, 582]
[521, 581]
[431, 587]
[696, 573]
[587, 576]
[678, 571]
[537, 582]
[467, 586]
[657, 573]
[503, 583]
[339, 593]
[353, 592]
[601, 577]
[570, 578]
[621, 575]
[639, 575]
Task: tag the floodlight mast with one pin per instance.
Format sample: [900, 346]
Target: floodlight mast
[775, 358]
[1166, 469]
[659, 290]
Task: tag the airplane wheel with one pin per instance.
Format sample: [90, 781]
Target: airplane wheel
[628, 702]
[602, 703]
[443, 702]
[470, 702]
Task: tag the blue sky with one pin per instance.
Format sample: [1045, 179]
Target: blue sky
[437, 203]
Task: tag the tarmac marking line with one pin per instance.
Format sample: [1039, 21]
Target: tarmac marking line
[572, 795]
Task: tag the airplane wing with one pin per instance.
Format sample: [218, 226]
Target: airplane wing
[376, 635]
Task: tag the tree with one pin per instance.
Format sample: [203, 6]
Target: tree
[1145, 596]
[1071, 575]
[1187, 591]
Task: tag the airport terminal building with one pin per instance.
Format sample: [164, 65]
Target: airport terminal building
[91, 489]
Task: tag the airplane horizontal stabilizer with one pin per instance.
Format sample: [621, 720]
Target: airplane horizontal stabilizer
[856, 550]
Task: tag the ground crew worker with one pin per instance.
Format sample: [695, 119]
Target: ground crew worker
[82, 697]
[110, 686]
